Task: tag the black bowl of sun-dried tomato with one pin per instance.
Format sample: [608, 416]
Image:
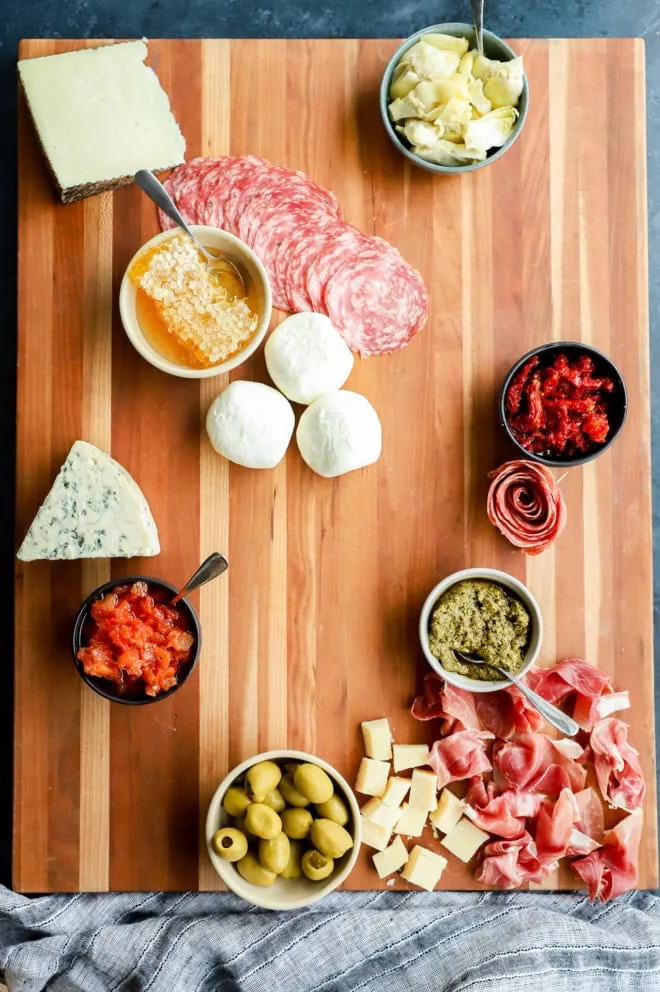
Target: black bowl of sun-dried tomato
[563, 403]
[130, 645]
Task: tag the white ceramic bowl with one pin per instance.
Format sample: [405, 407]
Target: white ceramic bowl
[285, 893]
[492, 575]
[246, 262]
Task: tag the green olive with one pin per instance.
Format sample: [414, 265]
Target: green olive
[293, 869]
[315, 865]
[262, 821]
[261, 779]
[274, 854]
[250, 869]
[230, 844]
[313, 782]
[296, 823]
[236, 800]
[330, 839]
[275, 800]
[291, 794]
[334, 809]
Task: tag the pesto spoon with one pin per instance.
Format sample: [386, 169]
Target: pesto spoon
[211, 568]
[551, 713]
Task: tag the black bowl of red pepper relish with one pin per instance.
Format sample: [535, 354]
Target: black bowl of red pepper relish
[559, 439]
[182, 617]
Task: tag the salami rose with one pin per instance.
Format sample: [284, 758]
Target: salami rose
[526, 504]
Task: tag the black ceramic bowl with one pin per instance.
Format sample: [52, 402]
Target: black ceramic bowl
[604, 367]
[108, 689]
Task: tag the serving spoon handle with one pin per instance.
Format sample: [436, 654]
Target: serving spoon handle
[478, 16]
[211, 568]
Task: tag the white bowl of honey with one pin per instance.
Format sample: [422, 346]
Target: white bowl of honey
[190, 319]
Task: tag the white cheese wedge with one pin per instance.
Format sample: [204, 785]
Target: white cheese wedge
[424, 868]
[396, 791]
[448, 812]
[373, 835]
[372, 777]
[411, 821]
[391, 859]
[94, 509]
[424, 790]
[464, 840]
[409, 756]
[100, 115]
[376, 811]
[377, 739]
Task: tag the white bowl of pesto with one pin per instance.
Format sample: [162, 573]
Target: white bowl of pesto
[502, 603]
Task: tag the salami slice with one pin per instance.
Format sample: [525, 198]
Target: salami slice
[526, 505]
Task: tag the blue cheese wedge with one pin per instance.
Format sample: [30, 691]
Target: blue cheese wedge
[95, 509]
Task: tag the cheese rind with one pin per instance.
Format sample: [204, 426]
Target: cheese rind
[100, 115]
[464, 840]
[372, 777]
[424, 868]
[377, 739]
[378, 812]
[424, 790]
[448, 812]
[409, 756]
[411, 821]
[373, 835]
[94, 509]
[391, 859]
[396, 791]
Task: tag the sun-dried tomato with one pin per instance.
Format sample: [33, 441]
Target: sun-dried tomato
[135, 641]
[515, 391]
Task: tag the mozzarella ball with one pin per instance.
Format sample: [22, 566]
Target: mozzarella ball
[338, 433]
[306, 357]
[250, 424]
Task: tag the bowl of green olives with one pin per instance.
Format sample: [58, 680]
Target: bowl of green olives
[283, 829]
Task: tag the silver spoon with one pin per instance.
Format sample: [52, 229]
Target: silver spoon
[478, 16]
[214, 566]
[552, 713]
[157, 192]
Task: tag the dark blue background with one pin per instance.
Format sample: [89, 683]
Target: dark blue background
[285, 19]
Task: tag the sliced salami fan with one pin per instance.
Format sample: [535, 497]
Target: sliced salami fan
[526, 505]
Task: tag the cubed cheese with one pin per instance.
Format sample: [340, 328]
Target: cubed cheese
[424, 868]
[424, 790]
[372, 777]
[391, 859]
[378, 812]
[396, 791]
[448, 812]
[409, 756]
[411, 821]
[464, 840]
[377, 739]
[373, 835]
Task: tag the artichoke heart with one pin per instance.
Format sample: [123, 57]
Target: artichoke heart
[466, 63]
[491, 130]
[407, 106]
[455, 116]
[449, 153]
[421, 133]
[503, 81]
[403, 83]
[477, 98]
[432, 63]
[447, 42]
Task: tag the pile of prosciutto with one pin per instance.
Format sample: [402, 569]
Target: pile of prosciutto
[542, 799]
[314, 259]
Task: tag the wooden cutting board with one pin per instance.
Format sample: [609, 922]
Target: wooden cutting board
[314, 628]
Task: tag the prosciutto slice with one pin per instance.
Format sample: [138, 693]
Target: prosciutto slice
[618, 771]
[554, 828]
[491, 812]
[533, 762]
[589, 814]
[526, 505]
[572, 677]
[507, 712]
[612, 869]
[460, 755]
[442, 701]
[509, 863]
[589, 710]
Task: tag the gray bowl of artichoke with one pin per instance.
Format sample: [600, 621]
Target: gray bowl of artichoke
[446, 108]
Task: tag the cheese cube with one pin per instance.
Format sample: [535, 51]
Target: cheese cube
[424, 790]
[373, 835]
[396, 791]
[464, 840]
[372, 777]
[377, 739]
[377, 812]
[409, 756]
[411, 822]
[448, 812]
[424, 868]
[391, 859]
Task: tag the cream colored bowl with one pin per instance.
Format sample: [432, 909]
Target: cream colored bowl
[492, 575]
[285, 893]
[246, 262]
